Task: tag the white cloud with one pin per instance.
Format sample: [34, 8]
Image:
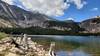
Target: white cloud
[8, 1]
[48, 7]
[70, 18]
[79, 3]
[94, 9]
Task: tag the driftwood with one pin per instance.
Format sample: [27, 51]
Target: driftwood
[24, 46]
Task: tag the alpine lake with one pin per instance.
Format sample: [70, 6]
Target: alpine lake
[71, 45]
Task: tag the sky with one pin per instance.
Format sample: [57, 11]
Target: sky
[91, 9]
[77, 10]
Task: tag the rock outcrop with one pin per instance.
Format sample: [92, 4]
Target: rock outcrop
[21, 17]
[5, 23]
[23, 47]
[91, 25]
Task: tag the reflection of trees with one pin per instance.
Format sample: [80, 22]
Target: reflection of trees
[60, 45]
[93, 48]
[94, 51]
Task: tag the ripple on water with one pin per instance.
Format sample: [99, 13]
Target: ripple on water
[72, 53]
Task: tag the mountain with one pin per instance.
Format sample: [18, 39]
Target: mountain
[4, 23]
[91, 25]
[21, 17]
[14, 16]
[63, 25]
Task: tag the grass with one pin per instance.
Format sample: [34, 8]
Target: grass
[3, 35]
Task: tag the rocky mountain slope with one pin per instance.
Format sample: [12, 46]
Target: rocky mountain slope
[21, 17]
[62, 25]
[18, 17]
[91, 25]
[4, 23]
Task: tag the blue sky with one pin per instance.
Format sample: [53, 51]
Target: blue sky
[78, 10]
[91, 9]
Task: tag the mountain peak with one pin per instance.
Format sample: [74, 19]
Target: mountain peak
[92, 25]
[97, 16]
[20, 16]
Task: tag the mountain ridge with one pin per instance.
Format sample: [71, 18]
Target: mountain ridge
[91, 25]
[21, 17]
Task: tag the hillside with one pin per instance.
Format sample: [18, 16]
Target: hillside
[15, 17]
[91, 25]
[4, 24]
[21, 17]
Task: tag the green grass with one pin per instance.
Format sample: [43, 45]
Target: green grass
[3, 35]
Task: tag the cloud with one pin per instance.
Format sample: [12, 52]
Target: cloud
[94, 9]
[8, 1]
[79, 3]
[48, 7]
[70, 18]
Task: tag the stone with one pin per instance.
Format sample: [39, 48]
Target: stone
[23, 46]
[11, 54]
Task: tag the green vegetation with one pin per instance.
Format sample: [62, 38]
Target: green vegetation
[3, 35]
[35, 31]
[44, 31]
[69, 24]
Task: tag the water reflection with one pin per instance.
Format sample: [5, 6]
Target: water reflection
[73, 45]
[73, 53]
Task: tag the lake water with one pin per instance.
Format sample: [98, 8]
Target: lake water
[72, 45]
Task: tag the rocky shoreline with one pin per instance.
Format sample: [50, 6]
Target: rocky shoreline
[23, 46]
